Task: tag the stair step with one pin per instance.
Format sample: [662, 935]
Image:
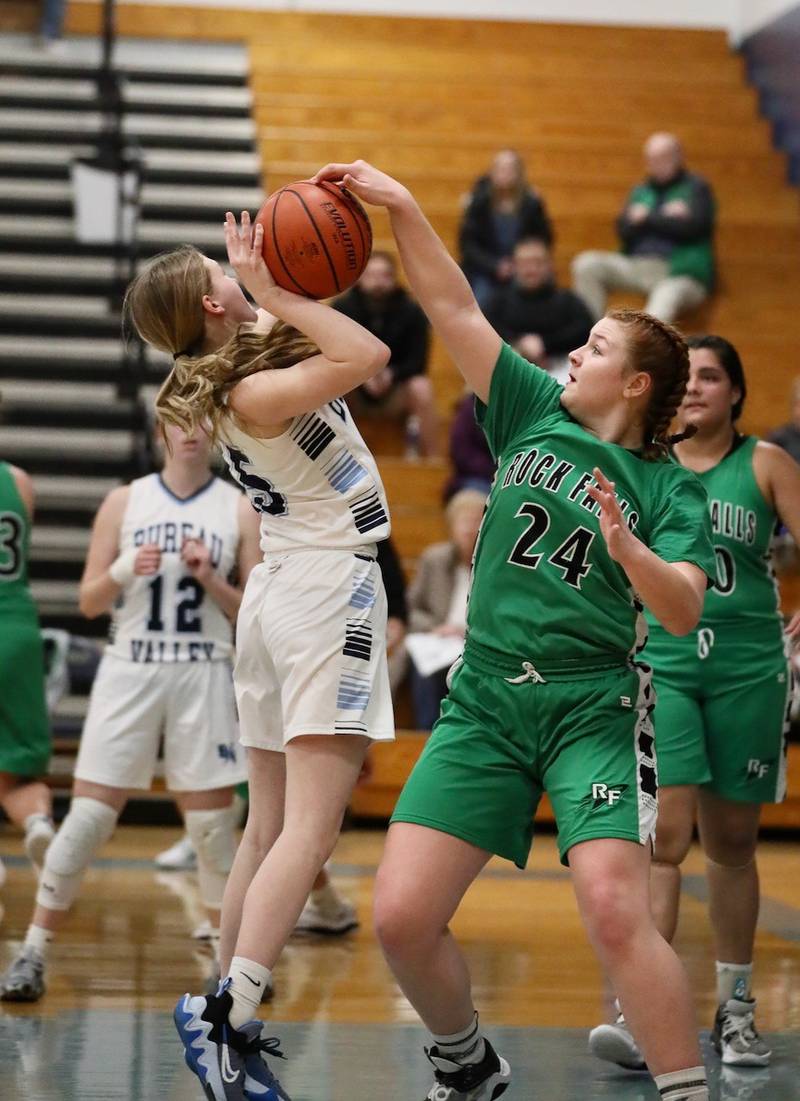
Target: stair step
[157, 60]
[66, 443]
[32, 393]
[55, 595]
[169, 196]
[60, 305]
[50, 233]
[60, 544]
[79, 94]
[32, 157]
[63, 491]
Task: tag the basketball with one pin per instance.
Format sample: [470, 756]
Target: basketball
[317, 238]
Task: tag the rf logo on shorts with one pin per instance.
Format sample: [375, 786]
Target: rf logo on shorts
[757, 770]
[607, 794]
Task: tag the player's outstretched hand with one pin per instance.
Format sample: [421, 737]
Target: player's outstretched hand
[245, 245]
[618, 536]
[366, 182]
[148, 560]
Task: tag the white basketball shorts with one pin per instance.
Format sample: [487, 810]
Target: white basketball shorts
[311, 649]
[132, 705]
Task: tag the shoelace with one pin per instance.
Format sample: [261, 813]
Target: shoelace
[741, 1025]
[266, 1046]
[530, 673]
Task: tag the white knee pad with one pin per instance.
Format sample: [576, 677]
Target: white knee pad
[88, 825]
[212, 835]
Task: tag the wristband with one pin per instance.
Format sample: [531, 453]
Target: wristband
[122, 570]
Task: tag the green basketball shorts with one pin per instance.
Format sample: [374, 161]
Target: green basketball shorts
[722, 711]
[506, 736]
[24, 728]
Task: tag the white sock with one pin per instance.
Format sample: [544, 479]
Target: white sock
[32, 819]
[733, 981]
[327, 893]
[684, 1085]
[38, 940]
[464, 1047]
[249, 980]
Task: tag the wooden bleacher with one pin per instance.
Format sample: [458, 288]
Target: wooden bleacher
[432, 99]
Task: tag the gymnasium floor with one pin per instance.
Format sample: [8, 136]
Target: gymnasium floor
[104, 1031]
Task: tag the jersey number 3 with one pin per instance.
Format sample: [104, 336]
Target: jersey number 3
[570, 557]
[10, 546]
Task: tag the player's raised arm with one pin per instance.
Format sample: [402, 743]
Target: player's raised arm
[349, 354]
[434, 277]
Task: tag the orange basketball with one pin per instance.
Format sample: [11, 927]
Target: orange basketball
[317, 238]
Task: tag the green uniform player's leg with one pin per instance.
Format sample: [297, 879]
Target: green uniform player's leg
[747, 722]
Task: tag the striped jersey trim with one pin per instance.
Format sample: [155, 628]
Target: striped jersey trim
[368, 512]
[312, 435]
[358, 640]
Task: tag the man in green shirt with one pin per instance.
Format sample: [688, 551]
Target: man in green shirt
[666, 231]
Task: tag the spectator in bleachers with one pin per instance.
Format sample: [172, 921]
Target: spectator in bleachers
[502, 209]
[51, 24]
[472, 461]
[666, 232]
[437, 601]
[788, 435]
[543, 322]
[402, 388]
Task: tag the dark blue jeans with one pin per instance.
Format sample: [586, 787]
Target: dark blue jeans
[52, 24]
[427, 693]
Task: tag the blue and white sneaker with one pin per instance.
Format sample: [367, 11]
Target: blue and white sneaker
[260, 1084]
[227, 1061]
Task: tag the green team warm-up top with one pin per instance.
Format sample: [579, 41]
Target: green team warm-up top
[724, 690]
[548, 697]
[24, 729]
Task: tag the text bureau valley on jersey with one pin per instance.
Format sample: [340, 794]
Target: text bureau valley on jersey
[177, 622]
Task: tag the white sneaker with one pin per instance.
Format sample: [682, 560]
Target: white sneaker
[331, 916]
[615, 1044]
[179, 857]
[735, 1037]
[205, 931]
[39, 832]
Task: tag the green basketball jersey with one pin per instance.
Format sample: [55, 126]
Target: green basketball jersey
[544, 587]
[15, 534]
[744, 592]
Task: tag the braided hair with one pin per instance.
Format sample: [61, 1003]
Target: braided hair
[660, 351]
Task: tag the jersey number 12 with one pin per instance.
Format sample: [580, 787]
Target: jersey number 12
[187, 612]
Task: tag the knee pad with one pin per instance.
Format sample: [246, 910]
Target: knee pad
[88, 825]
[212, 834]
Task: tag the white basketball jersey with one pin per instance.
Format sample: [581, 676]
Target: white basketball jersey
[168, 616]
[316, 485]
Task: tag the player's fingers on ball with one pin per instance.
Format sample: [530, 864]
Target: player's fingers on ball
[331, 172]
